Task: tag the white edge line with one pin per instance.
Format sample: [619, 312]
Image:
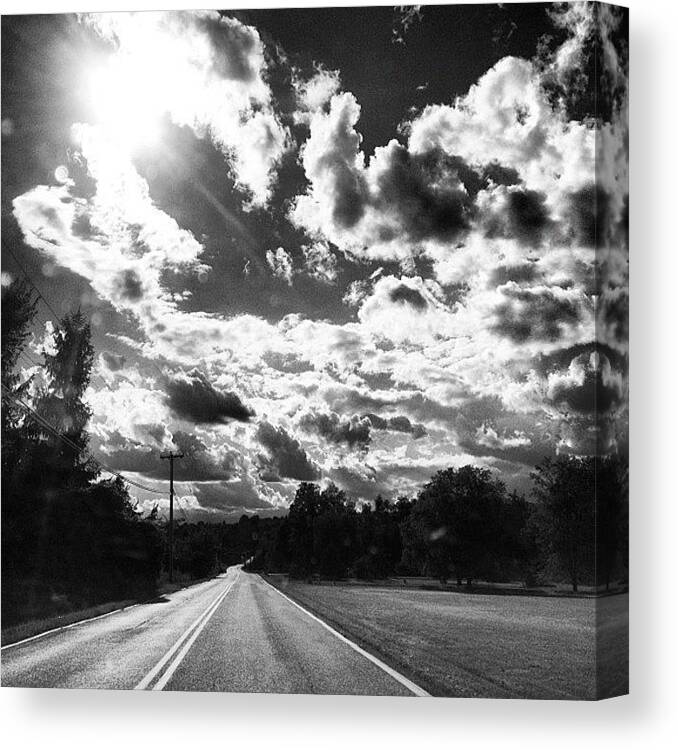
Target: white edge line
[145, 682]
[75, 624]
[167, 676]
[71, 625]
[411, 686]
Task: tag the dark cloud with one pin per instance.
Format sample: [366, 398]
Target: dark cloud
[523, 273]
[232, 45]
[530, 314]
[589, 216]
[561, 359]
[523, 215]
[588, 389]
[192, 397]
[113, 362]
[239, 495]
[613, 316]
[397, 424]
[286, 457]
[431, 194]
[198, 464]
[500, 175]
[350, 399]
[355, 432]
[406, 294]
[486, 429]
[130, 285]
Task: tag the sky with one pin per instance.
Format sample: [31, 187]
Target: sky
[357, 245]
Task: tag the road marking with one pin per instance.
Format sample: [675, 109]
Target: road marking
[71, 625]
[411, 686]
[74, 624]
[191, 634]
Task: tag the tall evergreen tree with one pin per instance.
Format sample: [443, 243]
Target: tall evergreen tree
[61, 402]
[18, 311]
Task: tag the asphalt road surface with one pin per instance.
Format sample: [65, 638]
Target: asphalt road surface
[235, 633]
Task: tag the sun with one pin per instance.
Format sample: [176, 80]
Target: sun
[127, 101]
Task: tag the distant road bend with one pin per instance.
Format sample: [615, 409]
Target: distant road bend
[235, 633]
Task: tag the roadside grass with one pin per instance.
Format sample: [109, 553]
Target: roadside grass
[36, 626]
[613, 645]
[477, 645]
[28, 629]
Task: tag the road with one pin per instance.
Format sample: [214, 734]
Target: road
[235, 633]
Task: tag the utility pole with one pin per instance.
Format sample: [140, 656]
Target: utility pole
[171, 456]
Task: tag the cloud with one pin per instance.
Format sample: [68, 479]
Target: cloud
[515, 212]
[237, 495]
[589, 386]
[397, 424]
[198, 463]
[381, 208]
[538, 313]
[408, 295]
[405, 309]
[285, 456]
[280, 263]
[313, 94]
[354, 431]
[131, 286]
[320, 262]
[334, 166]
[192, 397]
[113, 362]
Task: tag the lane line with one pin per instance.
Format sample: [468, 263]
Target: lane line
[206, 613]
[71, 625]
[76, 623]
[160, 684]
[411, 686]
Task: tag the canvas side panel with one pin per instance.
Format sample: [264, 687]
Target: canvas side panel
[610, 214]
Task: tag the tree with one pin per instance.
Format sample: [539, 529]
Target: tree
[453, 525]
[564, 489]
[61, 403]
[18, 311]
[378, 540]
[611, 515]
[516, 543]
[67, 540]
[303, 511]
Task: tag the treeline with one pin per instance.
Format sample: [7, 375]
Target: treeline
[70, 538]
[464, 526]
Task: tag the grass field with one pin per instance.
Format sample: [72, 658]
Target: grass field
[477, 645]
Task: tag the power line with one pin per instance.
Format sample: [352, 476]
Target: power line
[171, 456]
[42, 297]
[29, 359]
[181, 508]
[29, 279]
[56, 323]
[55, 432]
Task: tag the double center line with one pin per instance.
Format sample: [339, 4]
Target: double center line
[182, 646]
